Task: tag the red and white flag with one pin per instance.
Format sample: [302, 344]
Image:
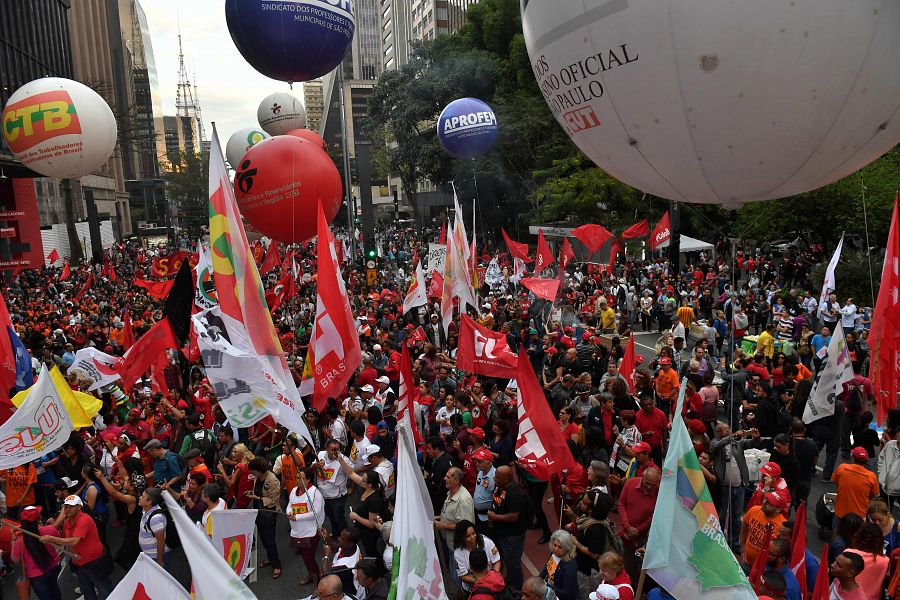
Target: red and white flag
[272, 259]
[416, 294]
[540, 447]
[457, 271]
[566, 254]
[543, 257]
[65, 273]
[483, 351]
[542, 288]
[53, 256]
[436, 286]
[285, 288]
[626, 368]
[661, 233]
[418, 335]
[96, 366]
[405, 400]
[145, 352]
[797, 560]
[335, 340]
[884, 337]
[516, 249]
[148, 581]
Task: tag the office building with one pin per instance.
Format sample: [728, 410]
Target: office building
[314, 102]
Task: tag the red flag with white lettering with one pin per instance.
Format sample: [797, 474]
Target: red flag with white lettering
[483, 351]
[540, 447]
[661, 232]
[544, 257]
[335, 343]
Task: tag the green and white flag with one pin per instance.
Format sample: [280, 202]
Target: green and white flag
[686, 551]
[419, 574]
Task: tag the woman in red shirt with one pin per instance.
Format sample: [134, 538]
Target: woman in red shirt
[241, 480]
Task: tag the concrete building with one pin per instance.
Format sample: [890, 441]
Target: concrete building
[181, 134]
[395, 33]
[314, 102]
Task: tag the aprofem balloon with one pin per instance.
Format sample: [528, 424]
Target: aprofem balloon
[721, 102]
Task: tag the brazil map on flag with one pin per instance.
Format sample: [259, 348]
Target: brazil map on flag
[687, 554]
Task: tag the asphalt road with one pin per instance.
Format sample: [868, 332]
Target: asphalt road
[288, 588]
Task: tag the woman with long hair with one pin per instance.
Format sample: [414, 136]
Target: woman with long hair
[241, 480]
[371, 507]
[39, 560]
[127, 495]
[880, 514]
[591, 530]
[869, 544]
[465, 540]
[95, 498]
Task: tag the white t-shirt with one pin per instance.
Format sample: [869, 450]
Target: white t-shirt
[204, 520]
[357, 450]
[331, 477]
[385, 472]
[305, 520]
[461, 556]
[444, 414]
[341, 562]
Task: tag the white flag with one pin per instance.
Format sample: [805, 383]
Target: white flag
[40, 425]
[204, 290]
[232, 536]
[420, 569]
[437, 254]
[213, 577]
[147, 579]
[241, 380]
[828, 283]
[416, 295]
[830, 380]
[96, 366]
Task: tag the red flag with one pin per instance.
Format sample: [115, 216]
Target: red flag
[797, 561]
[638, 230]
[566, 254]
[418, 335]
[405, 399]
[626, 369]
[335, 341]
[544, 256]
[542, 288]
[7, 352]
[112, 272]
[53, 256]
[884, 337]
[128, 337]
[156, 289]
[285, 288]
[540, 446]
[822, 589]
[146, 351]
[592, 236]
[516, 249]
[759, 565]
[105, 268]
[288, 262]
[272, 259]
[158, 374]
[87, 285]
[613, 254]
[436, 286]
[443, 237]
[65, 273]
[661, 232]
[483, 351]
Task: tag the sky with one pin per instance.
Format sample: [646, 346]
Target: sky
[230, 90]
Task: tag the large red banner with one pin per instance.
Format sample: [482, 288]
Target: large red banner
[483, 351]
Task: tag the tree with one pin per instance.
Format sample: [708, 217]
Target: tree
[187, 186]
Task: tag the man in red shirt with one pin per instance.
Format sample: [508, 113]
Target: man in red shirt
[368, 375]
[636, 504]
[393, 368]
[137, 428]
[652, 425]
[79, 532]
[642, 458]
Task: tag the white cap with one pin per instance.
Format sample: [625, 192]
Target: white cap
[367, 388]
[73, 501]
[370, 450]
[376, 347]
[605, 592]
[383, 379]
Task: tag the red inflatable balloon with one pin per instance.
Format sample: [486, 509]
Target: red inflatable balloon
[310, 136]
[278, 183]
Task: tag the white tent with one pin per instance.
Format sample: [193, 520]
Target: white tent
[689, 244]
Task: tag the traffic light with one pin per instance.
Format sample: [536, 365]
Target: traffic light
[371, 254]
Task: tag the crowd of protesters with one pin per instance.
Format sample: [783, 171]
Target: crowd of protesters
[746, 335]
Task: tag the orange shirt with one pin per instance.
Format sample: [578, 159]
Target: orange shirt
[667, 384]
[686, 316]
[856, 485]
[20, 485]
[755, 521]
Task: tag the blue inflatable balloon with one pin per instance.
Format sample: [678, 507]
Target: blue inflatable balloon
[296, 40]
[467, 128]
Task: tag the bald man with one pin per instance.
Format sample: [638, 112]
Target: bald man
[508, 518]
[330, 588]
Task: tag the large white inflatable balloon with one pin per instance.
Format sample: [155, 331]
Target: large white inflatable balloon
[721, 102]
[241, 141]
[281, 112]
[59, 127]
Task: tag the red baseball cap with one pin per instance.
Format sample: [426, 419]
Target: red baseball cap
[477, 432]
[483, 454]
[641, 447]
[665, 360]
[859, 453]
[776, 499]
[771, 469]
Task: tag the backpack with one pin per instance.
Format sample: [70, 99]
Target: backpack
[173, 540]
[611, 540]
[203, 440]
[505, 594]
[854, 400]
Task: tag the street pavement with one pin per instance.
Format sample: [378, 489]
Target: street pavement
[288, 588]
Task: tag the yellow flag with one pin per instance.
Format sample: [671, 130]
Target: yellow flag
[80, 406]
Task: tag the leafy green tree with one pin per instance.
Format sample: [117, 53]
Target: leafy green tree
[187, 187]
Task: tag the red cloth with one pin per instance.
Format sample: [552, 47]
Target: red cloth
[89, 548]
[884, 337]
[592, 236]
[638, 230]
[652, 426]
[516, 249]
[145, 352]
[543, 257]
[661, 233]
[542, 288]
[483, 351]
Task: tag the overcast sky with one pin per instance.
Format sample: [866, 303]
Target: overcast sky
[230, 90]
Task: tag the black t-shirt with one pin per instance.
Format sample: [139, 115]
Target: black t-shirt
[373, 504]
[506, 501]
[594, 538]
[806, 452]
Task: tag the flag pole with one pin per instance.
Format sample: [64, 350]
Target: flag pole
[640, 586]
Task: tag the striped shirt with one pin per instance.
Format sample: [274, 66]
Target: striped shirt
[152, 522]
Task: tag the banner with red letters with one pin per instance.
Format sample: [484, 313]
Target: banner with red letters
[483, 351]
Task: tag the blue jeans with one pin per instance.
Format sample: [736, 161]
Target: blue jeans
[45, 586]
[511, 548]
[90, 583]
[269, 541]
[731, 510]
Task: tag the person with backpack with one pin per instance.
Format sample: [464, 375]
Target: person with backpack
[200, 439]
[152, 532]
[96, 500]
[168, 468]
[594, 535]
[489, 584]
